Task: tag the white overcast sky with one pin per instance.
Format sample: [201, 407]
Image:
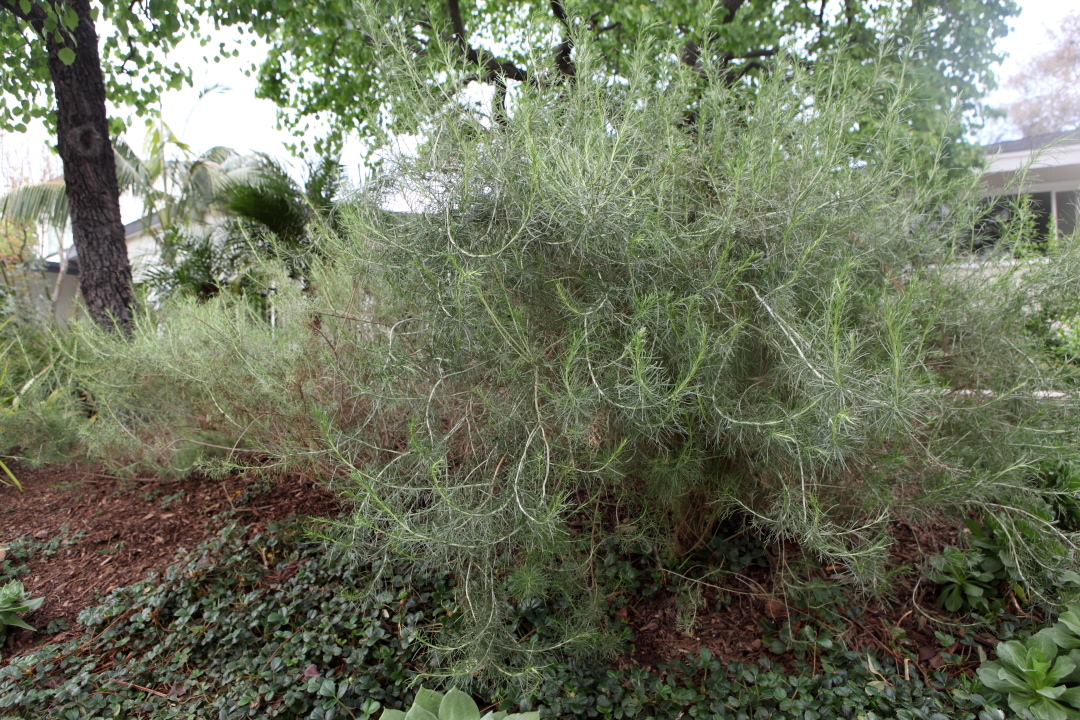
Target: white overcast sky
[230, 115]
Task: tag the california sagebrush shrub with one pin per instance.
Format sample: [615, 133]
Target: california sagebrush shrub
[686, 301]
[661, 298]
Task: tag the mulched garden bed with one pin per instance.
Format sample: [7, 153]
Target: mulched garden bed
[94, 533]
[904, 618]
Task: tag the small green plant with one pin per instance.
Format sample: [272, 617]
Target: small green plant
[968, 579]
[1060, 486]
[1040, 683]
[454, 705]
[13, 600]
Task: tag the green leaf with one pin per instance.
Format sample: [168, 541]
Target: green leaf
[13, 620]
[24, 5]
[1063, 636]
[1071, 697]
[1062, 669]
[429, 700]
[418, 713]
[996, 679]
[1052, 692]
[389, 714]
[456, 705]
[524, 716]
[66, 55]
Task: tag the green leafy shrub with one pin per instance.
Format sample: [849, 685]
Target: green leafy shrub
[454, 705]
[13, 600]
[654, 298]
[1060, 486]
[968, 580]
[1040, 681]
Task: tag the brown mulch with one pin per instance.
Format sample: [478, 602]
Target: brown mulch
[897, 624]
[105, 533]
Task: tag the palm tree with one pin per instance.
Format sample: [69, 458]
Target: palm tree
[210, 215]
[265, 213]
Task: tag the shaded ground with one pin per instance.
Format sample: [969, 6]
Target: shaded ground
[90, 533]
[896, 625]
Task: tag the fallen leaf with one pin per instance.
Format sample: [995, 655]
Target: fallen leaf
[775, 609]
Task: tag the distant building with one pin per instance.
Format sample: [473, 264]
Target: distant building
[52, 294]
[1052, 181]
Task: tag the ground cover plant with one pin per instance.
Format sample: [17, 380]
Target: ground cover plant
[14, 601]
[659, 303]
[268, 623]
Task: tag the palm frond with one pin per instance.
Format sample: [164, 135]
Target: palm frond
[132, 173]
[44, 203]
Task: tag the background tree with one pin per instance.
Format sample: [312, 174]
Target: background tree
[1050, 84]
[53, 70]
[337, 74]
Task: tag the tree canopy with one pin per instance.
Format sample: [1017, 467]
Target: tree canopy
[1050, 84]
[134, 52]
[322, 65]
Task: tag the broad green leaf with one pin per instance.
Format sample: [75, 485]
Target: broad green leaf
[1043, 644]
[973, 590]
[1063, 636]
[13, 620]
[66, 55]
[456, 705]
[429, 700]
[1013, 655]
[1052, 692]
[1062, 669]
[24, 5]
[999, 680]
[1071, 697]
[524, 716]
[389, 714]
[1071, 618]
[418, 713]
[70, 19]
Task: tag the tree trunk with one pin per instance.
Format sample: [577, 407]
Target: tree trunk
[90, 176]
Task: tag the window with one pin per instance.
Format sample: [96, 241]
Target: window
[1068, 212]
[1064, 205]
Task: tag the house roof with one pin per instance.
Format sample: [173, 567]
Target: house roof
[1035, 142]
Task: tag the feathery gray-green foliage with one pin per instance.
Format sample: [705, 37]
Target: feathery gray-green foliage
[665, 295]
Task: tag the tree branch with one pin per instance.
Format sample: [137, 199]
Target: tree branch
[494, 69]
[732, 7]
[563, 63]
[35, 18]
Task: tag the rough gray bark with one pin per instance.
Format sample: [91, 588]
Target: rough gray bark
[90, 176]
